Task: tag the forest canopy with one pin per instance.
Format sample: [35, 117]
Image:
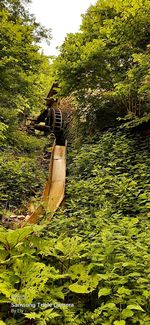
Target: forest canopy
[106, 65]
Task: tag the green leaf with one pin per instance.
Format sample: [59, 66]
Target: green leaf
[49, 314]
[70, 247]
[7, 289]
[119, 322]
[110, 305]
[46, 315]
[80, 272]
[127, 313]
[77, 288]
[124, 291]
[104, 292]
[3, 234]
[136, 307]
[146, 293]
[17, 235]
[32, 315]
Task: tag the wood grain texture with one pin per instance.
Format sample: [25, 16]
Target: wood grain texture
[54, 190]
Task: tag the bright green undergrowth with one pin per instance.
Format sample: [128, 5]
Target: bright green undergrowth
[93, 255]
[22, 170]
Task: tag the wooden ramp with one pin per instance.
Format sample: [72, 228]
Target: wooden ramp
[57, 186]
[54, 189]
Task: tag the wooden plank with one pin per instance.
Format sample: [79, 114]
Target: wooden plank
[54, 190]
[57, 188]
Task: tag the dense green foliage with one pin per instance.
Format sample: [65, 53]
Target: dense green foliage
[24, 80]
[106, 64]
[90, 263]
[22, 174]
[93, 255]
[22, 67]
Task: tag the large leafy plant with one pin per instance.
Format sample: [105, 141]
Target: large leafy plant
[108, 205]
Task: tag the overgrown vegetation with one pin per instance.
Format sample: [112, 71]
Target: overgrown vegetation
[90, 263]
[24, 79]
[106, 64]
[22, 172]
[93, 255]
